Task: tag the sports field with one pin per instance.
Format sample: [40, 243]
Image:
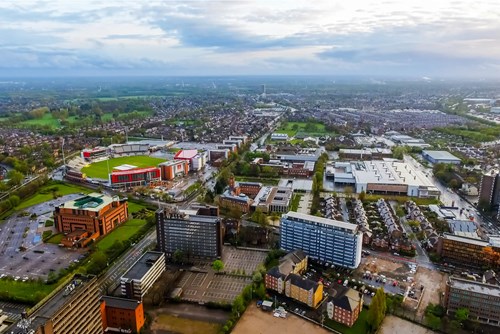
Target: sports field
[100, 169]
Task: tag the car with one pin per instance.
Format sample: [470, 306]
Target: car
[373, 294]
[17, 278]
[2, 276]
[303, 312]
[296, 310]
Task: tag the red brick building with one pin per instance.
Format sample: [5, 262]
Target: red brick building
[121, 315]
[95, 213]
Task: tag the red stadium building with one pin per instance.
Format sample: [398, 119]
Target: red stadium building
[90, 154]
[134, 177]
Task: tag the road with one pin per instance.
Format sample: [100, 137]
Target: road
[111, 279]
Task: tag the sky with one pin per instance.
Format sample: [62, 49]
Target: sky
[414, 38]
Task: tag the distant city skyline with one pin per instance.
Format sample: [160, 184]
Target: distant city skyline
[424, 39]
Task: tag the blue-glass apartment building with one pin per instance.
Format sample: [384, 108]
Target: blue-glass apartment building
[323, 239]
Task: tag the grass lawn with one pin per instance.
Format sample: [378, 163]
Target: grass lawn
[173, 324]
[123, 232]
[134, 207]
[360, 326]
[100, 169]
[44, 194]
[25, 292]
[295, 202]
[292, 128]
[265, 181]
[56, 239]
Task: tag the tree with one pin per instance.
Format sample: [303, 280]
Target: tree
[14, 200]
[97, 264]
[377, 310]
[257, 277]
[462, 314]
[217, 265]
[178, 256]
[362, 196]
[433, 321]
[15, 178]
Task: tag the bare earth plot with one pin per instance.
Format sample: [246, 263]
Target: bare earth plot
[395, 325]
[256, 321]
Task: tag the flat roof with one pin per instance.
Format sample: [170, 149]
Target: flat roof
[186, 154]
[135, 171]
[142, 266]
[477, 242]
[123, 303]
[90, 202]
[389, 172]
[321, 220]
[440, 155]
[475, 287]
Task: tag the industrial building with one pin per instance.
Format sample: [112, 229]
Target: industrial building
[365, 154]
[73, 308]
[125, 177]
[383, 177]
[94, 213]
[195, 233]
[441, 157]
[279, 136]
[121, 315]
[273, 199]
[481, 299]
[172, 169]
[136, 282]
[323, 239]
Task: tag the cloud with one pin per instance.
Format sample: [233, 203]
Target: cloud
[253, 36]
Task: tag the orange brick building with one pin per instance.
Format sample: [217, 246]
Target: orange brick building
[121, 315]
[172, 169]
[95, 213]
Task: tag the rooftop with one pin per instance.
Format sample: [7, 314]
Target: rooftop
[123, 303]
[321, 220]
[389, 172]
[475, 287]
[142, 266]
[90, 202]
[440, 155]
[465, 240]
[186, 154]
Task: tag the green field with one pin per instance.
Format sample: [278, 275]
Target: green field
[55, 239]
[100, 169]
[123, 232]
[45, 193]
[24, 292]
[48, 120]
[292, 128]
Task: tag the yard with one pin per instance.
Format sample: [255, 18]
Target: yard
[123, 232]
[360, 326]
[100, 169]
[46, 193]
[292, 128]
[29, 292]
[254, 320]
[165, 323]
[55, 239]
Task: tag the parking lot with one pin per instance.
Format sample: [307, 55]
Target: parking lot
[241, 259]
[202, 284]
[23, 255]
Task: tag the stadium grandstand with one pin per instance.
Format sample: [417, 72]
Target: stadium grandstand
[123, 150]
[90, 154]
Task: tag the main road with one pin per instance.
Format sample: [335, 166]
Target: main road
[110, 280]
